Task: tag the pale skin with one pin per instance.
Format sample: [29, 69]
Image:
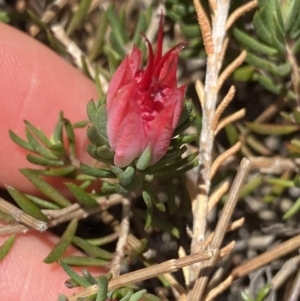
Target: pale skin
[35, 84]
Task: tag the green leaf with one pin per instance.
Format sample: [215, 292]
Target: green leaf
[260, 27]
[280, 70]
[141, 26]
[65, 171]
[42, 203]
[43, 151]
[160, 223]
[82, 196]
[43, 161]
[7, 245]
[73, 275]
[102, 289]
[293, 210]
[36, 19]
[296, 46]
[94, 137]
[268, 84]
[292, 15]
[63, 243]
[92, 150]
[295, 29]
[71, 138]
[84, 261]
[19, 141]
[91, 249]
[97, 47]
[272, 129]
[145, 158]
[79, 15]
[26, 204]
[253, 44]
[96, 172]
[243, 73]
[264, 292]
[45, 188]
[138, 295]
[38, 133]
[149, 214]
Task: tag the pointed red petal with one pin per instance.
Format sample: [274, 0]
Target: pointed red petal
[120, 78]
[135, 60]
[147, 76]
[159, 44]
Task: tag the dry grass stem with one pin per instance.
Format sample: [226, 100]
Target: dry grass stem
[206, 141]
[239, 12]
[48, 15]
[185, 270]
[227, 154]
[226, 250]
[217, 195]
[267, 257]
[224, 48]
[232, 227]
[13, 228]
[55, 214]
[294, 291]
[223, 105]
[288, 268]
[230, 69]
[124, 230]
[230, 119]
[273, 165]
[76, 54]
[169, 266]
[20, 216]
[204, 27]
[200, 91]
[219, 289]
[200, 284]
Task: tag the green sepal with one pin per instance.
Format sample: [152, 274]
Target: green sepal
[145, 158]
[126, 177]
[91, 111]
[91, 249]
[94, 137]
[105, 152]
[101, 122]
[82, 196]
[96, 172]
[45, 188]
[253, 44]
[92, 150]
[7, 245]
[73, 275]
[26, 204]
[63, 243]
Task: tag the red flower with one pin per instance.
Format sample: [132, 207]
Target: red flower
[144, 105]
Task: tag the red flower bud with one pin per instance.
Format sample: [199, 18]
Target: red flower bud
[144, 105]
